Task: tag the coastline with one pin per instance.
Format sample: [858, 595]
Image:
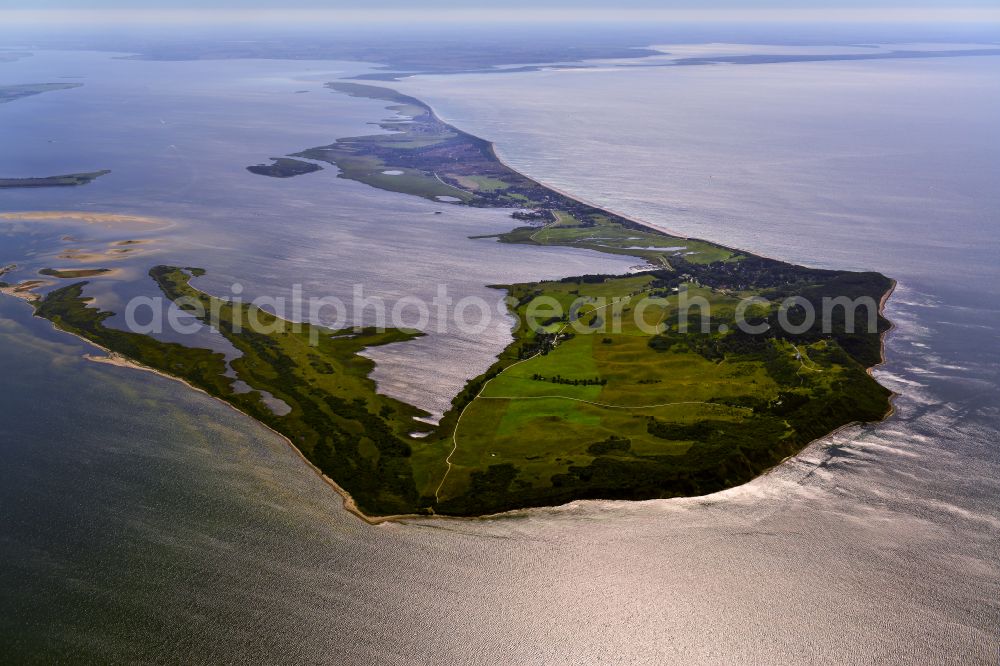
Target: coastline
[530, 511]
[605, 209]
[574, 197]
[117, 360]
[113, 358]
[882, 342]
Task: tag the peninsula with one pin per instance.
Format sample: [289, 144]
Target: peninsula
[67, 180]
[284, 167]
[15, 92]
[572, 410]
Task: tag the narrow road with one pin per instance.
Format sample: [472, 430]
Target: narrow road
[454, 433]
[457, 189]
[802, 360]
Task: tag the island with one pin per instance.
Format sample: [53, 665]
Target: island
[11, 56]
[284, 167]
[15, 92]
[67, 180]
[74, 273]
[657, 404]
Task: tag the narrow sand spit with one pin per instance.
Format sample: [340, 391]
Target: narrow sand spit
[98, 256]
[99, 273]
[24, 290]
[85, 216]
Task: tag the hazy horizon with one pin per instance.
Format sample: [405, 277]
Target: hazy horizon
[512, 11]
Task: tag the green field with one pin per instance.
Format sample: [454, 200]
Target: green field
[604, 395]
[354, 435]
[603, 234]
[639, 409]
[607, 399]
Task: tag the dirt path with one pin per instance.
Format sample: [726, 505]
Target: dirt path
[454, 432]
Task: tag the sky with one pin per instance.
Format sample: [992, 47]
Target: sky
[599, 10]
[702, 5]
